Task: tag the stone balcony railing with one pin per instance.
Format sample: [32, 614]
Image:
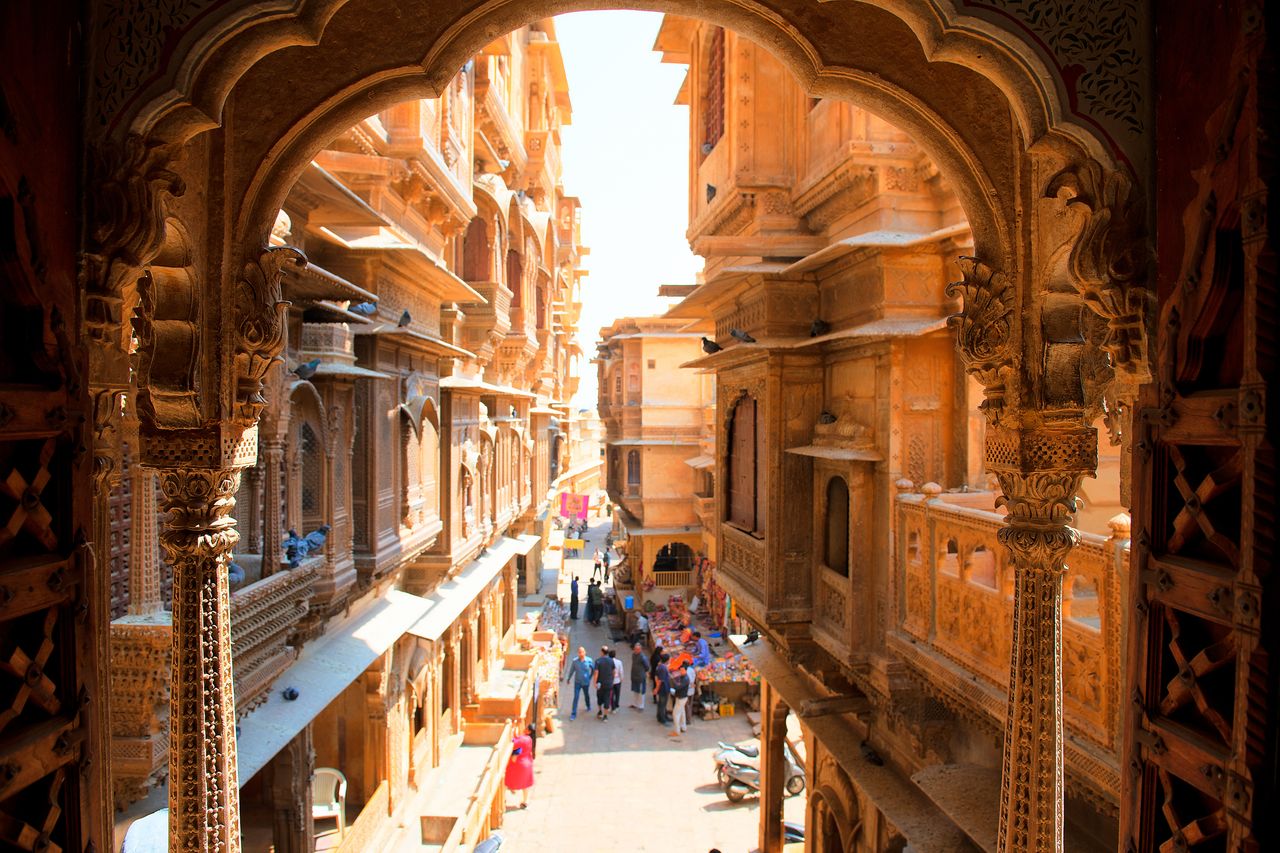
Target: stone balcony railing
[265, 616]
[955, 585]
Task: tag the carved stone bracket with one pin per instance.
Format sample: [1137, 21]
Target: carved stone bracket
[259, 326]
[132, 184]
[1110, 263]
[984, 330]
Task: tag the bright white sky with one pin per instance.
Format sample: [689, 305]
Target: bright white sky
[626, 157]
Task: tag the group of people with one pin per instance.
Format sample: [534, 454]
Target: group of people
[595, 601]
[603, 675]
[674, 684]
[601, 564]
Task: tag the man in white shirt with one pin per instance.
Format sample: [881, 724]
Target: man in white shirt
[617, 678]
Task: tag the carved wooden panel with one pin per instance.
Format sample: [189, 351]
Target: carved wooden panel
[1201, 742]
[54, 603]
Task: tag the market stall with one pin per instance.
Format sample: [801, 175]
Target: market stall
[729, 676]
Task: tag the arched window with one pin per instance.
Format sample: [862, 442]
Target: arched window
[515, 277]
[713, 96]
[745, 469]
[836, 555]
[312, 480]
[475, 251]
[615, 466]
[633, 471]
[410, 467]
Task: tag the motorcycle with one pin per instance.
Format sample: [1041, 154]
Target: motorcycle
[792, 833]
[749, 756]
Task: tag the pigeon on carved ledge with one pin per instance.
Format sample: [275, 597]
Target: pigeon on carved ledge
[709, 346]
[235, 574]
[871, 755]
[306, 370]
[293, 549]
[290, 693]
[405, 319]
[827, 418]
[364, 309]
[742, 336]
[314, 540]
[819, 327]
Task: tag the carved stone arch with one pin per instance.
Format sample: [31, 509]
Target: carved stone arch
[305, 397]
[932, 45]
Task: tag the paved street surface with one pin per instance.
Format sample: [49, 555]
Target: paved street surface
[624, 785]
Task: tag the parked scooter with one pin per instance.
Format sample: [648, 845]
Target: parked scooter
[749, 756]
[739, 780]
[792, 833]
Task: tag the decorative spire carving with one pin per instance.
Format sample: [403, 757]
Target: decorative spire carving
[259, 326]
[984, 329]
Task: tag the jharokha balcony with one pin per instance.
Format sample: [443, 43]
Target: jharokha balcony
[954, 611]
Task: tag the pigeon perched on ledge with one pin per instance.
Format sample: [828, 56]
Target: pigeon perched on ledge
[364, 309]
[819, 327]
[235, 574]
[826, 418]
[405, 319]
[709, 346]
[742, 336]
[307, 369]
[871, 755]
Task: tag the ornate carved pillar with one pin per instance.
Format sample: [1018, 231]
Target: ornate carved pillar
[272, 523]
[1039, 448]
[773, 767]
[293, 830]
[1039, 473]
[144, 558]
[251, 526]
[198, 536]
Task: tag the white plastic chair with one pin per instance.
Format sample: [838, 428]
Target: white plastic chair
[329, 797]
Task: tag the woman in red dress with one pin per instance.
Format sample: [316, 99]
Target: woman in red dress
[520, 765]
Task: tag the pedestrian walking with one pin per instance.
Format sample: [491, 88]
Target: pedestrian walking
[573, 598]
[640, 670]
[606, 561]
[616, 696]
[581, 669]
[596, 569]
[595, 603]
[680, 693]
[602, 679]
[662, 689]
[520, 766]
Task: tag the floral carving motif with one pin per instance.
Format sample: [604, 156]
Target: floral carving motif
[1096, 48]
[985, 328]
[259, 326]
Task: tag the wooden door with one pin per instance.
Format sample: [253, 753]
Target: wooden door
[1203, 725]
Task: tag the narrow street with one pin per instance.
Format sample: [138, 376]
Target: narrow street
[624, 785]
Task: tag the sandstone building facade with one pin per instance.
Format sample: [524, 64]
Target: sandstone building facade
[1112, 162]
[421, 418]
[654, 416]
